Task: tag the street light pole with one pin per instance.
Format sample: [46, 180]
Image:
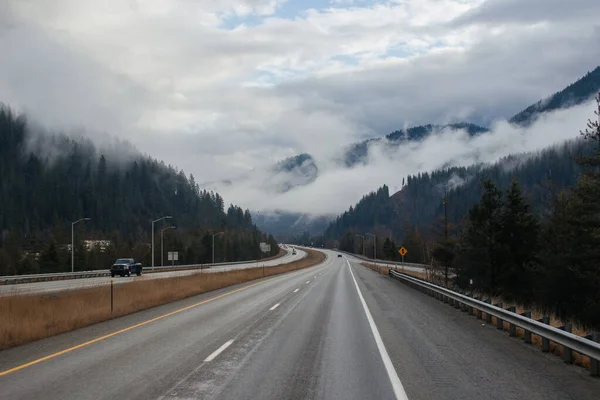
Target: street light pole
[374, 245]
[213, 246]
[162, 257]
[156, 220]
[363, 243]
[73, 242]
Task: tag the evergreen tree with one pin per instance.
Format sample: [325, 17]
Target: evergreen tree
[518, 237]
[416, 247]
[50, 180]
[50, 260]
[480, 247]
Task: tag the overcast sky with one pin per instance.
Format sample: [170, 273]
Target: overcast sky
[221, 87]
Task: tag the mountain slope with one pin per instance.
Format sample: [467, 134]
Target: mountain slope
[48, 181]
[420, 202]
[358, 152]
[574, 94]
[286, 226]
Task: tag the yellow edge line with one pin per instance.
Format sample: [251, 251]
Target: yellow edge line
[48, 357]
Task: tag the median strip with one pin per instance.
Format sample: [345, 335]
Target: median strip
[28, 317]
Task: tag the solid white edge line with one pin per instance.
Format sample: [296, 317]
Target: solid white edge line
[296, 290]
[274, 307]
[387, 362]
[218, 351]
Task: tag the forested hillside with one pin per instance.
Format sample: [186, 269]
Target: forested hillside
[48, 181]
[526, 229]
[420, 201]
[574, 94]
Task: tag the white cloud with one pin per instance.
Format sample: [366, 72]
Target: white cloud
[337, 188]
[183, 83]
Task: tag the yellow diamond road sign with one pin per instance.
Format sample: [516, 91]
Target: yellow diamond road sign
[402, 251]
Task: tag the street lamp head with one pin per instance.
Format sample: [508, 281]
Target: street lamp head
[168, 217]
[87, 219]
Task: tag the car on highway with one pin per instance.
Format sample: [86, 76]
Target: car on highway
[126, 266]
[339, 255]
[294, 252]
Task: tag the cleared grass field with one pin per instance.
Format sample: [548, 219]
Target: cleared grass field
[26, 318]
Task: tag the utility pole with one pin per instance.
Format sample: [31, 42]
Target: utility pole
[73, 242]
[162, 257]
[213, 245]
[445, 213]
[156, 220]
[374, 245]
[363, 243]
[446, 231]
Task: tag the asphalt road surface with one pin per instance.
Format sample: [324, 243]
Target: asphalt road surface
[67, 284]
[333, 331]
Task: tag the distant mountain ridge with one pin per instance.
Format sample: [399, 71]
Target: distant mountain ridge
[357, 153]
[574, 94]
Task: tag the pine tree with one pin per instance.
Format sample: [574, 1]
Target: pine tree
[444, 250]
[50, 259]
[519, 241]
[480, 249]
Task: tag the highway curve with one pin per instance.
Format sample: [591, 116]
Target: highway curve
[332, 331]
[60, 285]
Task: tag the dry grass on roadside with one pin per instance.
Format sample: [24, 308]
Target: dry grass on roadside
[25, 318]
[556, 349]
[384, 270]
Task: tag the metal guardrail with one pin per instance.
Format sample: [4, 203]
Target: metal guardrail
[16, 279]
[568, 340]
[378, 261]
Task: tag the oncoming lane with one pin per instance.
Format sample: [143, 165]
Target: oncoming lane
[60, 285]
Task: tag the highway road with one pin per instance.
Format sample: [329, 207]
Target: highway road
[68, 284]
[334, 331]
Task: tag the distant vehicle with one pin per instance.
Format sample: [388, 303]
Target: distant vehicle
[294, 252]
[126, 266]
[339, 255]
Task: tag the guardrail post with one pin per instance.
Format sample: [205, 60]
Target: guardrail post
[512, 329]
[478, 312]
[545, 342]
[526, 333]
[488, 317]
[463, 307]
[567, 352]
[469, 308]
[595, 364]
[499, 322]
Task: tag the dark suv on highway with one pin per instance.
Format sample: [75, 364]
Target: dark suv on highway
[126, 266]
